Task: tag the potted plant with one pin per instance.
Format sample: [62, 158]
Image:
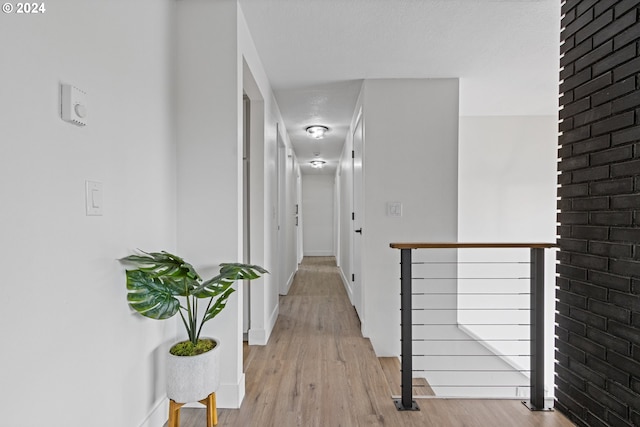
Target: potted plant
[162, 285]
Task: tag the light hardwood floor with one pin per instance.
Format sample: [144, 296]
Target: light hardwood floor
[318, 371]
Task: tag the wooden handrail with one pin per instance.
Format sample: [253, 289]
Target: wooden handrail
[452, 245]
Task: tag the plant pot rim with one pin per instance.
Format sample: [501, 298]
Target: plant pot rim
[216, 340]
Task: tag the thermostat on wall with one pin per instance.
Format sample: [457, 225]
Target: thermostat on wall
[74, 105]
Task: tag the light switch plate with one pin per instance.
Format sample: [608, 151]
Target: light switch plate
[93, 198]
[394, 209]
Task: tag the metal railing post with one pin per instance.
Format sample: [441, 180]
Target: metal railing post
[406, 403]
[536, 402]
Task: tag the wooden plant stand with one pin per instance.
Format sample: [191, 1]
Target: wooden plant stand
[209, 402]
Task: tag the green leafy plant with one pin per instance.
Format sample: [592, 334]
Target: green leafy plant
[163, 284]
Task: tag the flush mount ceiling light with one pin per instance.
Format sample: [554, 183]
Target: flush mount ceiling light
[318, 164]
[317, 131]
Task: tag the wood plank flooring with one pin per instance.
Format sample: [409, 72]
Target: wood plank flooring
[391, 368]
[318, 371]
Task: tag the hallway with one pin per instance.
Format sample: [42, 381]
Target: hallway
[317, 370]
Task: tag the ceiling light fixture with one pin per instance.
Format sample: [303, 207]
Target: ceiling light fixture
[317, 131]
[318, 164]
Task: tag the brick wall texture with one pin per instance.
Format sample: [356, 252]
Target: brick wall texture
[598, 295]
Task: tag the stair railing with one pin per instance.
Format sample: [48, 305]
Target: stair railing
[536, 325]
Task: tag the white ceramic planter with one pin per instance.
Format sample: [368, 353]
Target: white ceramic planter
[193, 378]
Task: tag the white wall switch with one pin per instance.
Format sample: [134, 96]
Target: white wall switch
[74, 105]
[394, 209]
[93, 198]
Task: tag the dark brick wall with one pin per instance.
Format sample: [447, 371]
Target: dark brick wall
[598, 308]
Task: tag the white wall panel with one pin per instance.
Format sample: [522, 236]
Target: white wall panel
[318, 211]
[507, 193]
[65, 315]
[410, 156]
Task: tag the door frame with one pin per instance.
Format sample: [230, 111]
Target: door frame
[358, 214]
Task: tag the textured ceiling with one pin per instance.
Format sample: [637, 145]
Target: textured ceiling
[316, 53]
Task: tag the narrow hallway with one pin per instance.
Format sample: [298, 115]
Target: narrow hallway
[317, 370]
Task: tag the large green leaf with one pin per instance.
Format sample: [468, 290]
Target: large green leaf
[247, 271]
[163, 263]
[149, 296]
[217, 307]
[229, 274]
[177, 274]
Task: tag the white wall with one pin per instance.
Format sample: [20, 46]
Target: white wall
[507, 178]
[410, 156]
[507, 193]
[76, 348]
[265, 119]
[317, 205]
[215, 53]
[209, 130]
[217, 61]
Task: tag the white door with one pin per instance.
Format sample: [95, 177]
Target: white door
[281, 209]
[298, 220]
[358, 143]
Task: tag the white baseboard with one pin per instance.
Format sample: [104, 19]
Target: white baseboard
[257, 337]
[273, 318]
[158, 415]
[289, 283]
[231, 395]
[261, 336]
[319, 253]
[228, 396]
[346, 284]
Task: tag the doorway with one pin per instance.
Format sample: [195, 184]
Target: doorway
[356, 243]
[253, 130]
[281, 207]
[246, 209]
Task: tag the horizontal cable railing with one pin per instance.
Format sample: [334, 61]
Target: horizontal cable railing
[470, 327]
